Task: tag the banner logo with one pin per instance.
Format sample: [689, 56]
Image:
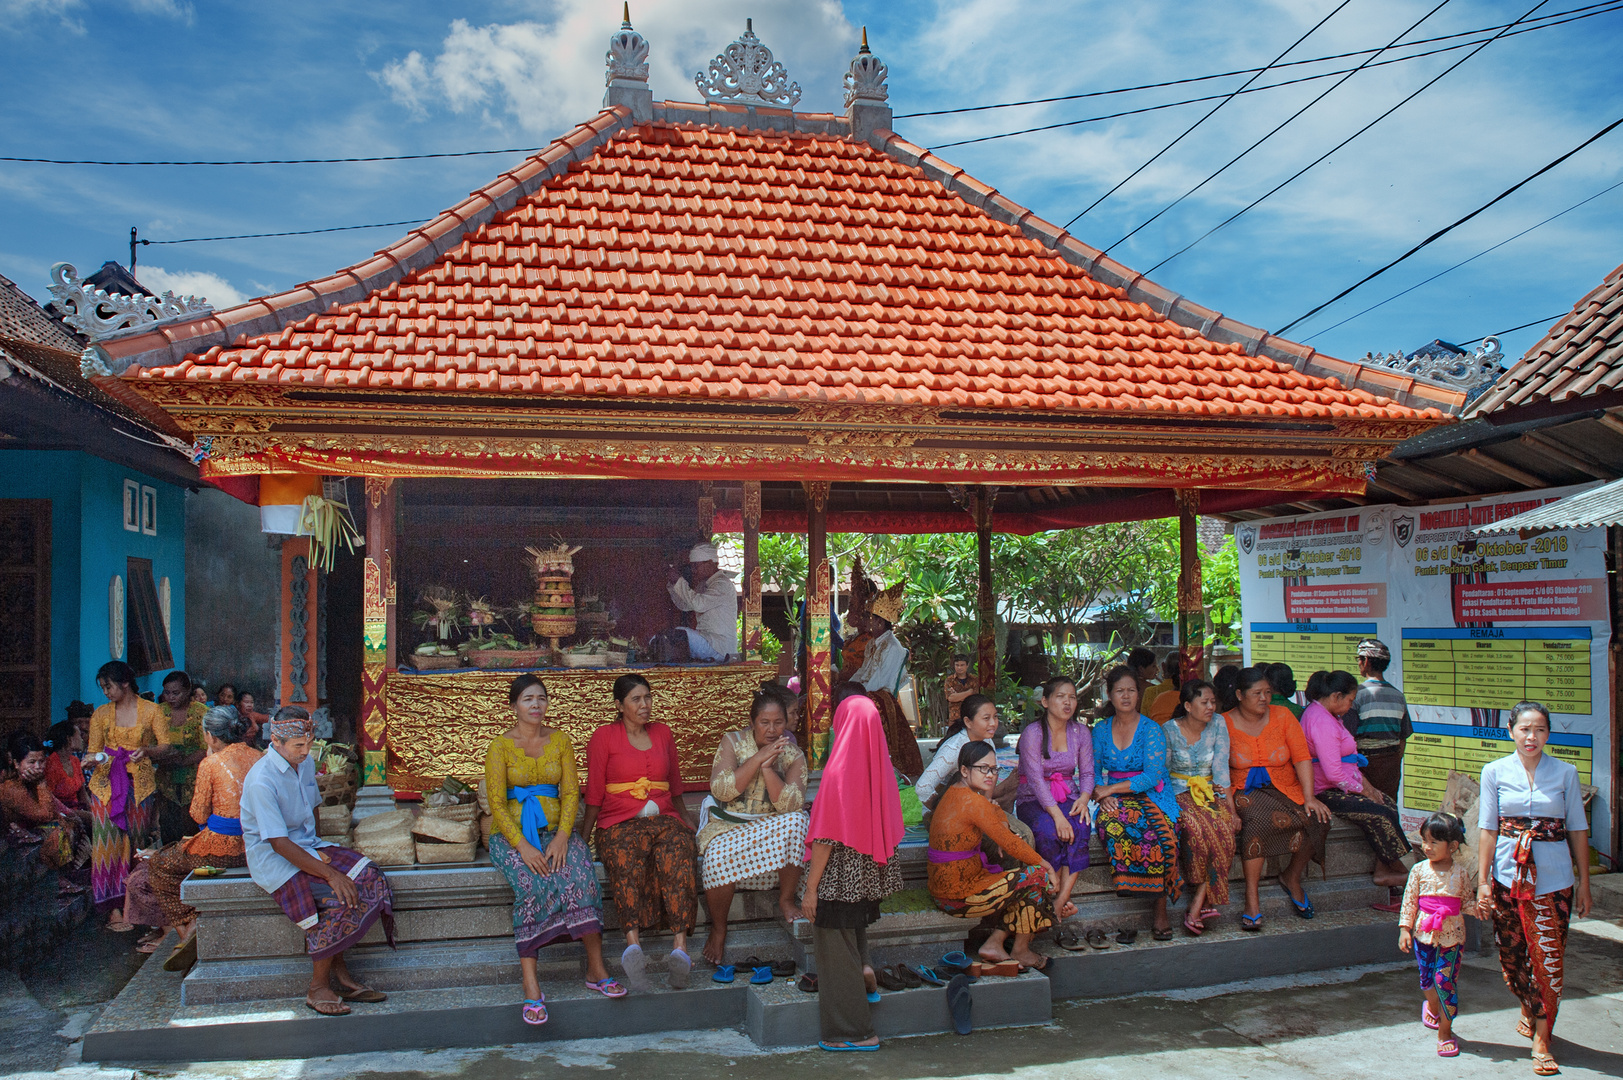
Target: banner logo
[1403, 529]
[1246, 537]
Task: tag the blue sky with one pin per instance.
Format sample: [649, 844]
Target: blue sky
[166, 79]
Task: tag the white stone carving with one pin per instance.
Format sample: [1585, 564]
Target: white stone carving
[627, 58]
[1461, 371]
[93, 361]
[745, 73]
[866, 79]
[98, 314]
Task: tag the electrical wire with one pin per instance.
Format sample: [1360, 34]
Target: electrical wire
[295, 232]
[1446, 229]
[1462, 262]
[1210, 113]
[1547, 320]
[1298, 173]
[1326, 92]
[1609, 5]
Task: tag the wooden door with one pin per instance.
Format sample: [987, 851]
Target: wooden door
[25, 615]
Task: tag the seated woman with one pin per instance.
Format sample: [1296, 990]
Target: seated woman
[1271, 776]
[534, 792]
[752, 832]
[1339, 783]
[1056, 780]
[64, 768]
[644, 835]
[26, 800]
[961, 881]
[1137, 811]
[1198, 756]
[978, 723]
[153, 889]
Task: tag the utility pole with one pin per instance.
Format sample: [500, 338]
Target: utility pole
[133, 242]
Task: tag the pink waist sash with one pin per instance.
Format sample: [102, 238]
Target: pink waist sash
[1434, 910]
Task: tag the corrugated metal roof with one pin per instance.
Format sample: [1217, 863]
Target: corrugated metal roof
[1598, 506]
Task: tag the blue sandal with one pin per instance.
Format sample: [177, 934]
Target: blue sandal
[844, 1046]
[762, 975]
[956, 962]
[1304, 907]
[724, 973]
[1252, 923]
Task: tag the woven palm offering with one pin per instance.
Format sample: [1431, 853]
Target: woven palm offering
[553, 614]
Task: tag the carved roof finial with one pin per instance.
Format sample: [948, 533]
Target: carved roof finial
[745, 73]
[627, 58]
[625, 17]
[864, 40]
[865, 81]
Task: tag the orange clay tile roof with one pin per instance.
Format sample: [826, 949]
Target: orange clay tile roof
[1581, 356]
[685, 261]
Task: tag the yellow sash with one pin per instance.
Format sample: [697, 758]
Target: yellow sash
[1200, 788]
[640, 788]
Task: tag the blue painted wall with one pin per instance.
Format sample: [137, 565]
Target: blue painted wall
[89, 544]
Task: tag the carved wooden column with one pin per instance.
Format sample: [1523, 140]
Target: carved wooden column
[380, 640]
[707, 508]
[819, 668]
[752, 569]
[1191, 604]
[985, 598]
[298, 604]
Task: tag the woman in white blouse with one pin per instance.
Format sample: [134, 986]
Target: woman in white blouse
[1533, 835]
[978, 724]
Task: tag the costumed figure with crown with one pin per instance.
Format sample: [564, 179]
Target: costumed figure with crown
[884, 667]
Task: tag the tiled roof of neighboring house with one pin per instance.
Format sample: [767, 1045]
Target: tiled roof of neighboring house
[22, 321]
[1581, 356]
[685, 260]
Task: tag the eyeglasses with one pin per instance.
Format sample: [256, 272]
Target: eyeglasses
[984, 770]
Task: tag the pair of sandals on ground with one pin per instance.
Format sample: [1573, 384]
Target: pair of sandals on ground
[761, 971]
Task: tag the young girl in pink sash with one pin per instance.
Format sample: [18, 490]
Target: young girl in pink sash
[1431, 922]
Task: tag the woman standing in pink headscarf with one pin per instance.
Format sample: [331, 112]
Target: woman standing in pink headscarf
[856, 825]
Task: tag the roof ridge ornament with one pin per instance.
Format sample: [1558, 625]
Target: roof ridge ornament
[1452, 367]
[865, 81]
[99, 315]
[627, 58]
[745, 73]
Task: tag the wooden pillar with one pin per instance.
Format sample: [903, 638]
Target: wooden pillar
[752, 569]
[298, 638]
[707, 508]
[1191, 605]
[819, 666]
[985, 598]
[380, 641]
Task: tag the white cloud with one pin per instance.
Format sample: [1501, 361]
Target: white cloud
[14, 11]
[547, 73]
[212, 287]
[172, 9]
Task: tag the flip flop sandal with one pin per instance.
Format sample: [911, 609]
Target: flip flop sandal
[1427, 1017]
[120, 927]
[635, 963]
[1448, 1048]
[845, 1046]
[762, 975]
[929, 977]
[960, 1003]
[1209, 913]
[535, 1012]
[1524, 1029]
[1544, 1065]
[365, 995]
[607, 987]
[908, 977]
[678, 967]
[326, 1008]
[725, 973]
[887, 980]
[1303, 907]
[1069, 940]
[1162, 935]
[148, 947]
[1252, 923]
[1126, 937]
[783, 969]
[807, 984]
[1195, 929]
[1039, 968]
[1097, 939]
[184, 956]
[956, 962]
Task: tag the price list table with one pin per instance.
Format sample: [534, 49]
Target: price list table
[1308, 647]
[1495, 667]
[1436, 749]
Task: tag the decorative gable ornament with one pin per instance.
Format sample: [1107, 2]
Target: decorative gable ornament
[744, 73]
[99, 315]
[1452, 367]
[866, 79]
[627, 58]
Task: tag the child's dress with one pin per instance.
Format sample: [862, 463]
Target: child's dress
[1432, 909]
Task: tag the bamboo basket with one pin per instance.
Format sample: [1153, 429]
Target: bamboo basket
[435, 663]
[553, 626]
[432, 852]
[505, 658]
[445, 830]
[386, 838]
[332, 819]
[583, 660]
[461, 812]
[338, 789]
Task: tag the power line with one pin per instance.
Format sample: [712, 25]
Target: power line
[1275, 131]
[1298, 173]
[1210, 113]
[1609, 9]
[1542, 19]
[1462, 262]
[285, 161]
[295, 232]
[1446, 229]
[1501, 333]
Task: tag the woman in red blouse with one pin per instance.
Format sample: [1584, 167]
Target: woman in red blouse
[645, 837]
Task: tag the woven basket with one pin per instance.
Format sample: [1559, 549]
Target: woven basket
[332, 819]
[388, 848]
[386, 822]
[431, 852]
[483, 798]
[338, 789]
[486, 824]
[435, 663]
[505, 658]
[445, 830]
[553, 625]
[583, 660]
[343, 839]
[462, 812]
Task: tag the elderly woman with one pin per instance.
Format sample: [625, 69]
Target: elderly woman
[1137, 812]
[123, 787]
[1198, 756]
[154, 886]
[1271, 778]
[961, 881]
[1340, 784]
[534, 793]
[1056, 781]
[644, 835]
[1533, 865]
[752, 830]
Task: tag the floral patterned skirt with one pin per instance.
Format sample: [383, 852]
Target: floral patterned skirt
[563, 905]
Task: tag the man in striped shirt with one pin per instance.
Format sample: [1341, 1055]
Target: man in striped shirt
[1379, 718]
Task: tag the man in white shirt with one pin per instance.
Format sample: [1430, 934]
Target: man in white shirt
[884, 661]
[713, 598]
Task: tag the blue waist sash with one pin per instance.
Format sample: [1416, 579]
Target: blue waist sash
[533, 819]
[224, 826]
[1351, 759]
[1257, 777]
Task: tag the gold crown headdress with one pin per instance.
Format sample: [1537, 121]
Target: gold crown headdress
[887, 604]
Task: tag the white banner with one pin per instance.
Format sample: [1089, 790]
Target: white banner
[1475, 624]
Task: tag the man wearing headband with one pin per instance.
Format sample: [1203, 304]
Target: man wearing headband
[713, 598]
[1379, 718]
[331, 893]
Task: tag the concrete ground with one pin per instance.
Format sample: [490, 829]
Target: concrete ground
[1361, 1022]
